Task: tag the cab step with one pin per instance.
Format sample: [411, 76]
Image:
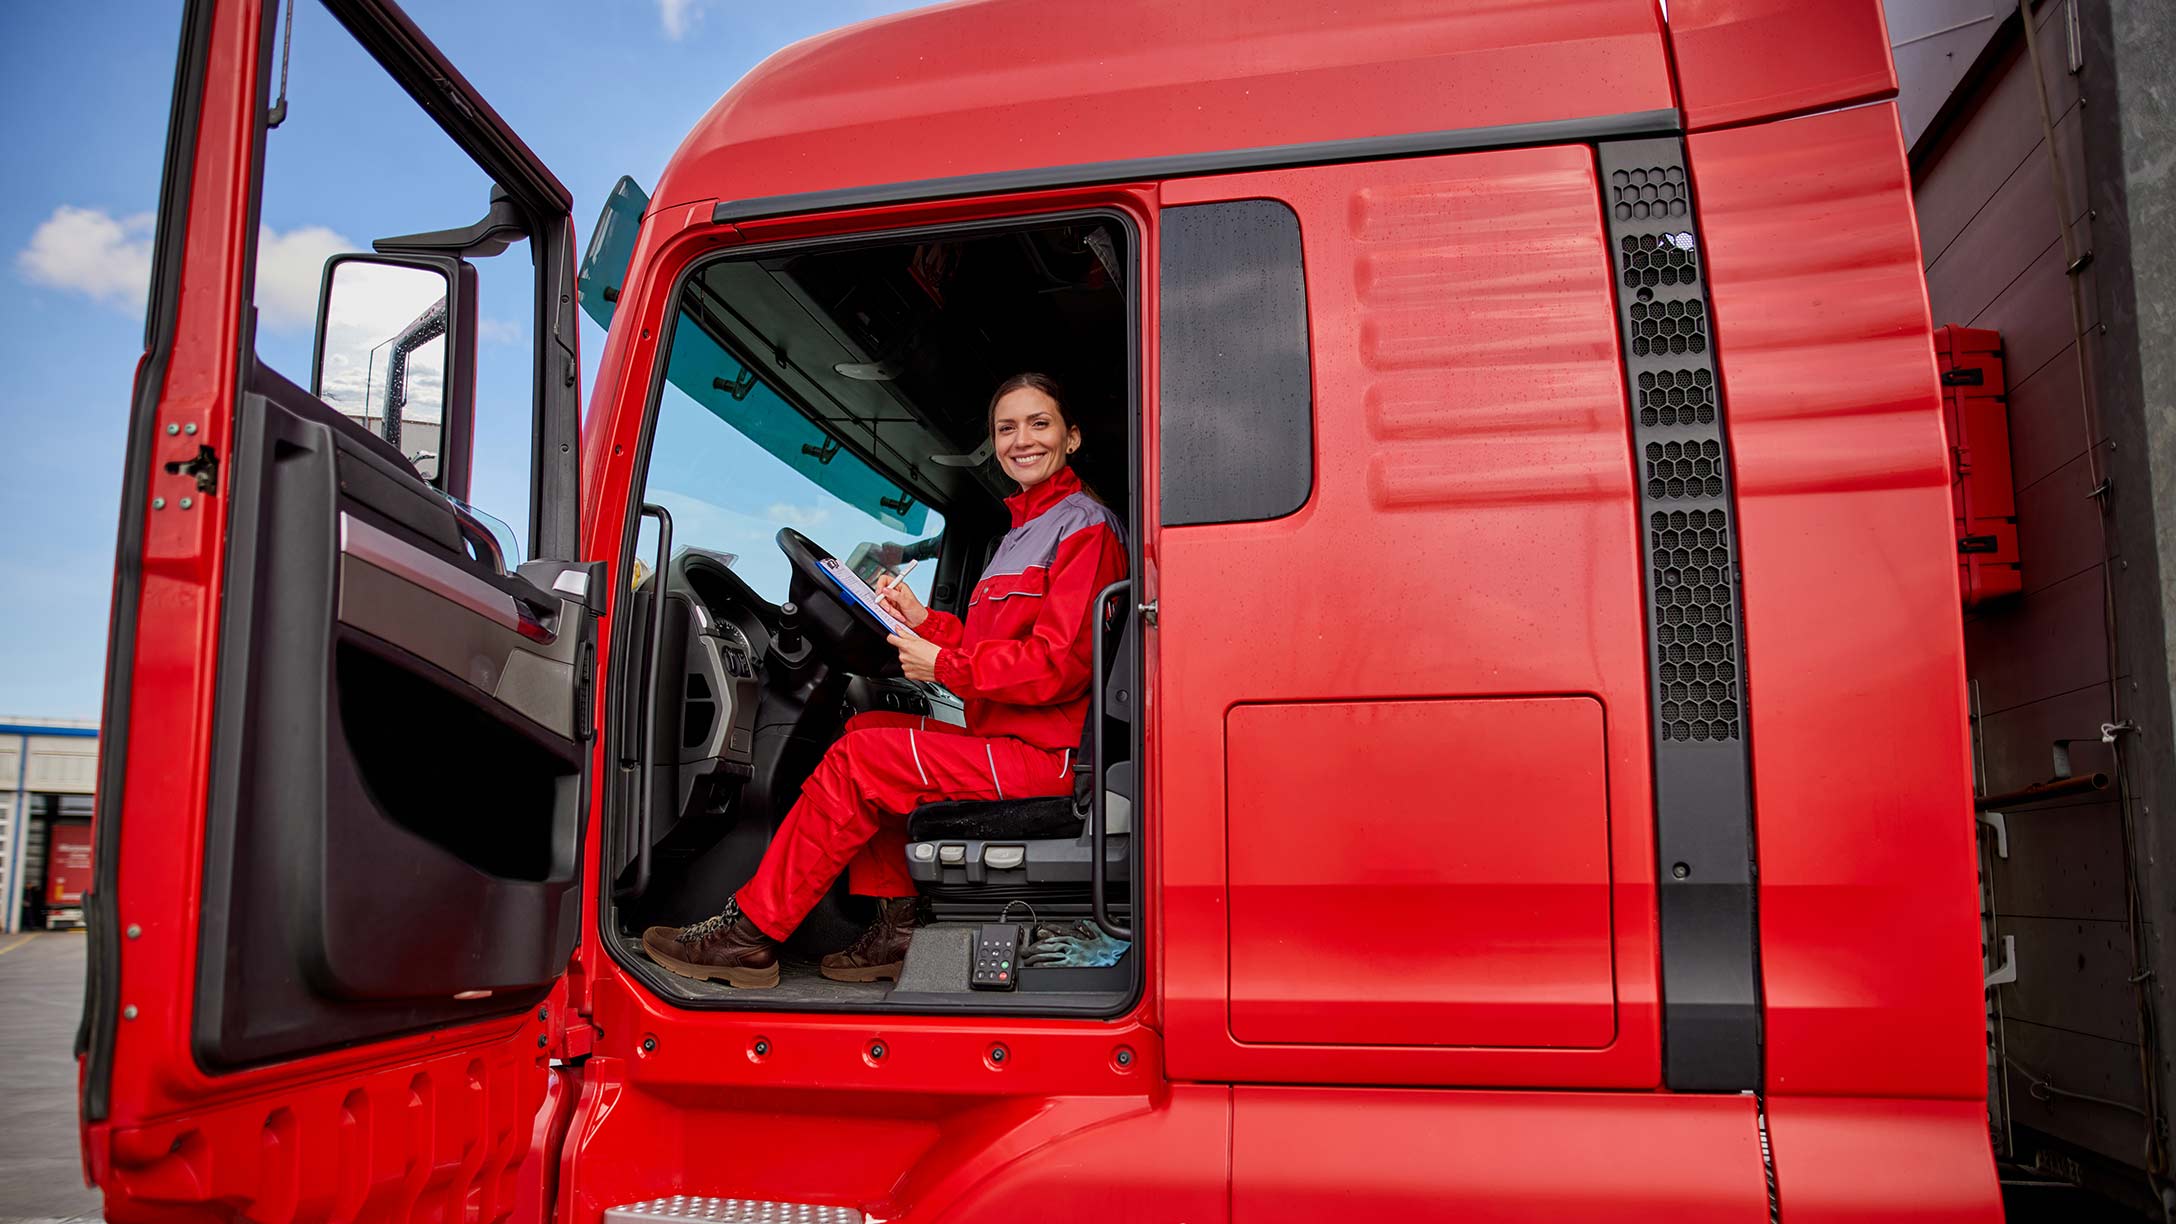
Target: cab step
[681, 1208]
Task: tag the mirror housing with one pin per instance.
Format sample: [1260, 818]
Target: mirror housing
[378, 319]
[611, 250]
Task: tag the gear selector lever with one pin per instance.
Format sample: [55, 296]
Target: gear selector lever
[789, 646]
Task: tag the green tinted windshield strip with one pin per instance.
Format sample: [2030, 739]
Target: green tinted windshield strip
[709, 375]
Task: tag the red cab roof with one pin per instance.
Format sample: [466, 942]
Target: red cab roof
[988, 87]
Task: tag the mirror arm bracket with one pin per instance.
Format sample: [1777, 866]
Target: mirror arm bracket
[500, 228]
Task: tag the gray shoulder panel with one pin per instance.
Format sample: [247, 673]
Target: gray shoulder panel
[1035, 542]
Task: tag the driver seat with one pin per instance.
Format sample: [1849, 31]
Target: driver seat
[970, 857]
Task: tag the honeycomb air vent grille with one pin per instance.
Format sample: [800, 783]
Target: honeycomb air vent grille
[1680, 449]
[1697, 672]
[1675, 328]
[1681, 458]
[1677, 397]
[1658, 261]
[1684, 469]
[1651, 193]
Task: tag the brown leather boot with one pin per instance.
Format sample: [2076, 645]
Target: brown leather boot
[727, 948]
[882, 949]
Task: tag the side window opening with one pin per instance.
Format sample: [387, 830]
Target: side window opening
[841, 391]
[370, 336]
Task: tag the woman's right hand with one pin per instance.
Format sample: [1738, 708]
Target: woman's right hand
[898, 599]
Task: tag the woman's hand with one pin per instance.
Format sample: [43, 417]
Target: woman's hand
[898, 599]
[917, 657]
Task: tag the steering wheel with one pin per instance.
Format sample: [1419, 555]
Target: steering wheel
[847, 632]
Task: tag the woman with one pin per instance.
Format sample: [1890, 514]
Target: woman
[1021, 663]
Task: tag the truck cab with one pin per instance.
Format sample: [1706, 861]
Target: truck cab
[1526, 765]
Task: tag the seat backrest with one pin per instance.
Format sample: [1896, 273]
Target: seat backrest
[1118, 701]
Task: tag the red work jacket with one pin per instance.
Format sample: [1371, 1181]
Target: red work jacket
[1021, 661]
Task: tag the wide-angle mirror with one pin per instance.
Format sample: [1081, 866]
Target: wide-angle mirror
[381, 352]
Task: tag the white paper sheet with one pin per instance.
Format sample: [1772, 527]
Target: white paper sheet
[863, 594]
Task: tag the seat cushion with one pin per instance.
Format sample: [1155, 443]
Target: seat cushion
[987, 819]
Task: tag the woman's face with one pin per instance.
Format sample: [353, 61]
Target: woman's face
[1031, 438]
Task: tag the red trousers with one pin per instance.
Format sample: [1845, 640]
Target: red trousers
[852, 814]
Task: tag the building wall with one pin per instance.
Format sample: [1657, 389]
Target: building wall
[2129, 98]
[55, 758]
[2047, 665]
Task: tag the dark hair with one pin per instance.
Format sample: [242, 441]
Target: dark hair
[1025, 380]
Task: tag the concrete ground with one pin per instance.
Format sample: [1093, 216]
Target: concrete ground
[41, 994]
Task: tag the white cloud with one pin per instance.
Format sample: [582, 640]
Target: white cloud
[802, 518]
[499, 331]
[91, 252]
[290, 267]
[108, 259]
[679, 16]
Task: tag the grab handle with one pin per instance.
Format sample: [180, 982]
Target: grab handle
[1098, 800]
[640, 729]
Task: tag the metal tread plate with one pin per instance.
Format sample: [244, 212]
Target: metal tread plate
[681, 1208]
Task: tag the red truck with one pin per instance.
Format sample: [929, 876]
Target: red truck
[1578, 825]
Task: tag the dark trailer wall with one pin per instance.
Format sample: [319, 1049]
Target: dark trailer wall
[2080, 1082]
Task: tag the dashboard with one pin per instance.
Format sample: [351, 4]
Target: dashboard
[732, 694]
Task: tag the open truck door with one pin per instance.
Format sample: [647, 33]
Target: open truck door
[346, 735]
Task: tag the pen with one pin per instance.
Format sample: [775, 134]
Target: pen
[900, 576]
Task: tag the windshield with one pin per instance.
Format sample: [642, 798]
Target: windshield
[715, 465]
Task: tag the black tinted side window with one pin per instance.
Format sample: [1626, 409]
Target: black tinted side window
[1237, 398]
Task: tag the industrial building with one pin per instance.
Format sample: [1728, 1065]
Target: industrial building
[50, 767]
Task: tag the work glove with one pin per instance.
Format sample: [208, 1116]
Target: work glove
[1076, 945]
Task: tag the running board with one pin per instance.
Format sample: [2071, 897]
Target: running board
[683, 1208]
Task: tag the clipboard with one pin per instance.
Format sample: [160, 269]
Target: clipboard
[862, 593]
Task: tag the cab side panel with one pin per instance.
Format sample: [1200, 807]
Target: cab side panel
[1047, 1120]
[894, 100]
[1837, 1161]
[1306, 1154]
[1740, 60]
[1854, 651]
[1472, 519]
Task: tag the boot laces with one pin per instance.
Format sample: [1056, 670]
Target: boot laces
[874, 932]
[869, 936]
[697, 932]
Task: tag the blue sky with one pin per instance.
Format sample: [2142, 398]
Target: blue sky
[598, 89]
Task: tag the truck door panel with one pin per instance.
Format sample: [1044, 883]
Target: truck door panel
[1466, 568]
[345, 749]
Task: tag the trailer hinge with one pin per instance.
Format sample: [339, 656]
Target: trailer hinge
[204, 466]
[1148, 613]
[2006, 972]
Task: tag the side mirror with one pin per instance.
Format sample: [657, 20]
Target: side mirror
[396, 354]
[611, 248]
